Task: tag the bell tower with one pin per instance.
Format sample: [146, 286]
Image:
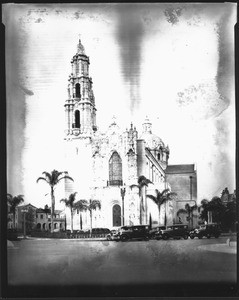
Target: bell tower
[80, 111]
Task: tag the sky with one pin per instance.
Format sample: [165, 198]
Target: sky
[171, 62]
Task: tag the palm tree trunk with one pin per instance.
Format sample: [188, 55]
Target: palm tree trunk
[192, 219]
[159, 211]
[14, 218]
[71, 220]
[90, 223]
[140, 206]
[146, 207]
[52, 208]
[80, 220]
[165, 217]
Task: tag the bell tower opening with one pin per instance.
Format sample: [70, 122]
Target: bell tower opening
[77, 119]
[77, 87]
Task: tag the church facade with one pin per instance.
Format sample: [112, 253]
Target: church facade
[109, 164]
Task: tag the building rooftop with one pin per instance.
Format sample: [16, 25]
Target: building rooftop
[175, 169]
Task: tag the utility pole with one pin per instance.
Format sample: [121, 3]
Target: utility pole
[191, 188]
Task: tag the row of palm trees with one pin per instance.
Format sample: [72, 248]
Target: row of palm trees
[160, 198]
[53, 179]
[81, 205]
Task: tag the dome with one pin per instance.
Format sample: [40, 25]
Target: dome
[152, 141]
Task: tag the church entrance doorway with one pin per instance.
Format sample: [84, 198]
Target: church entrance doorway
[116, 215]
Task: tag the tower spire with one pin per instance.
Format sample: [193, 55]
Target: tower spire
[80, 48]
[147, 125]
[80, 107]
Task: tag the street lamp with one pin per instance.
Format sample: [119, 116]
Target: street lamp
[191, 187]
[122, 191]
[24, 211]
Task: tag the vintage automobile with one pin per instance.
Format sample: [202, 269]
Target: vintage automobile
[154, 232]
[137, 232]
[207, 230]
[176, 231]
[113, 235]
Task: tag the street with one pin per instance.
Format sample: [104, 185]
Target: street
[102, 263]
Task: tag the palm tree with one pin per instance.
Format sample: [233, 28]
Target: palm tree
[53, 179]
[13, 202]
[88, 205]
[82, 206]
[160, 198]
[70, 203]
[189, 211]
[142, 183]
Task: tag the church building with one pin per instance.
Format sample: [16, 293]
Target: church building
[109, 164]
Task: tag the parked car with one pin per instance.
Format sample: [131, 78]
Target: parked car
[154, 232]
[207, 230]
[100, 231]
[113, 235]
[174, 231]
[12, 234]
[139, 232]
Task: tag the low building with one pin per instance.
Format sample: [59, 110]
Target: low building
[43, 219]
[183, 181]
[30, 217]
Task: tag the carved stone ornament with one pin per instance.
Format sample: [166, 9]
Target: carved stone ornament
[76, 132]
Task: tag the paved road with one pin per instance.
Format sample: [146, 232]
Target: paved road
[77, 262]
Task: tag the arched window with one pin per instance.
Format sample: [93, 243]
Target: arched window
[115, 170]
[158, 156]
[116, 215]
[78, 90]
[77, 119]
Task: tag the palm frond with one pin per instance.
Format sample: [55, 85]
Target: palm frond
[41, 178]
[47, 176]
[81, 205]
[64, 177]
[143, 181]
[155, 199]
[133, 185]
[94, 204]
[65, 200]
[181, 211]
[165, 191]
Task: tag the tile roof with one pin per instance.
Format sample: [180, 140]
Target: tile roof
[175, 169]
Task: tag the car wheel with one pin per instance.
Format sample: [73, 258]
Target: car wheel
[200, 237]
[165, 237]
[185, 237]
[192, 236]
[124, 238]
[108, 238]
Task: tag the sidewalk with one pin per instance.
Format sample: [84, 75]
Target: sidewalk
[229, 247]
